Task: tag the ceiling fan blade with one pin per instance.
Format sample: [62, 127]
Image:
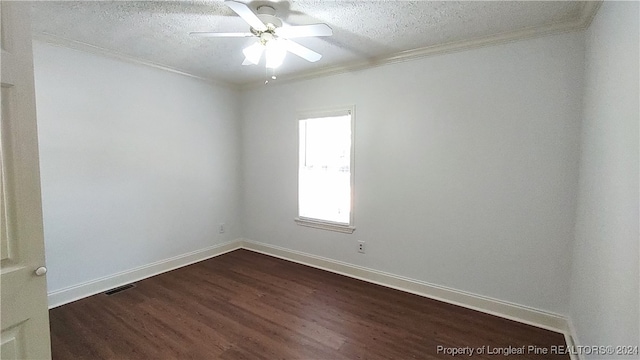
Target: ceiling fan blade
[301, 51]
[290, 32]
[247, 62]
[216, 34]
[246, 14]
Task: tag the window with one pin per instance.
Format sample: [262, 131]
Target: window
[325, 173]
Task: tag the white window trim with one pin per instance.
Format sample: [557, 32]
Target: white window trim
[318, 223]
[325, 225]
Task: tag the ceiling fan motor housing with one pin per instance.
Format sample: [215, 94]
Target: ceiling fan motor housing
[267, 14]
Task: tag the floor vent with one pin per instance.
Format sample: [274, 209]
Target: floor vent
[119, 288]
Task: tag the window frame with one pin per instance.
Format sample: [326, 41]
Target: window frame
[319, 223]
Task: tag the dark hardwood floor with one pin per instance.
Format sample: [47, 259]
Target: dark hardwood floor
[245, 305]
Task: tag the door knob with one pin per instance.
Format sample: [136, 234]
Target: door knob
[41, 271]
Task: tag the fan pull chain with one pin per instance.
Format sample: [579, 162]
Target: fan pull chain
[268, 76]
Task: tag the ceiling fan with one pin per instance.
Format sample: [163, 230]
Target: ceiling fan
[274, 38]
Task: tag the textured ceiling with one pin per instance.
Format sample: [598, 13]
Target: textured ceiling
[157, 31]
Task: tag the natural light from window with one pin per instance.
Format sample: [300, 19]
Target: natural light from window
[324, 181]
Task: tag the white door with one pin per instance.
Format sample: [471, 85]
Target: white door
[23, 289]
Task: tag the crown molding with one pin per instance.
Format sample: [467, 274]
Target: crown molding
[97, 50]
[588, 11]
[582, 21]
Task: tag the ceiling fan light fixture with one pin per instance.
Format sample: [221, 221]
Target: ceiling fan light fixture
[273, 38]
[276, 52]
[253, 53]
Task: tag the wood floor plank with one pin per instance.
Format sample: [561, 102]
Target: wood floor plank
[245, 305]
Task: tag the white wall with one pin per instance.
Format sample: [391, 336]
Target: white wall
[604, 291]
[466, 168]
[138, 164]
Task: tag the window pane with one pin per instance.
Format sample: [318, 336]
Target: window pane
[325, 169]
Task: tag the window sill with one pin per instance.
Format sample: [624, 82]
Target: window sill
[346, 229]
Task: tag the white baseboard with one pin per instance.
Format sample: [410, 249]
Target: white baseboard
[571, 337]
[511, 311]
[79, 291]
[516, 312]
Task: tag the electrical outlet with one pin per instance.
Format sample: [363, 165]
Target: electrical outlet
[221, 228]
[361, 247]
